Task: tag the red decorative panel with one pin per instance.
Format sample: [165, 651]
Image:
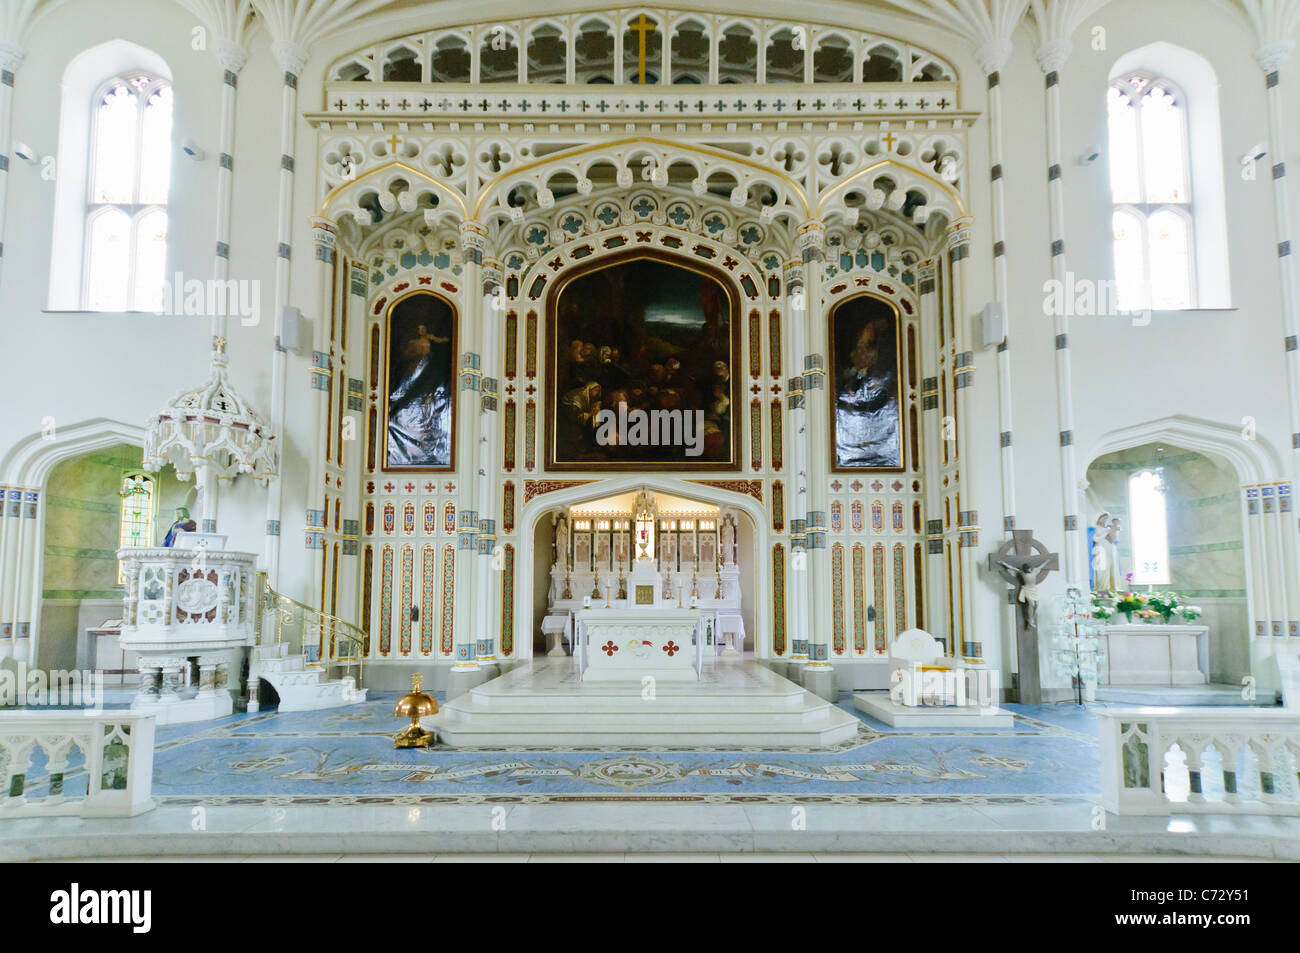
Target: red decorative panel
[530, 435]
[530, 345]
[508, 507]
[512, 344]
[755, 434]
[774, 343]
[755, 344]
[404, 603]
[508, 435]
[778, 436]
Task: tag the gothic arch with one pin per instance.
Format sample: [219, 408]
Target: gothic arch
[542, 504]
[1254, 460]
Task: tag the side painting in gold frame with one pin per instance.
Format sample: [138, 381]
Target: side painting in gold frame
[865, 405]
[420, 384]
[640, 368]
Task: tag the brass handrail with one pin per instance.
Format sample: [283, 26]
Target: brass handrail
[346, 643]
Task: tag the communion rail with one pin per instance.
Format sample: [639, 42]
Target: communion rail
[1159, 761]
[114, 754]
[323, 640]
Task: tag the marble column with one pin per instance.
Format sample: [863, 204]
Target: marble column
[968, 526]
[936, 602]
[465, 669]
[11, 57]
[992, 57]
[1271, 57]
[291, 57]
[26, 599]
[819, 676]
[489, 562]
[322, 387]
[8, 575]
[1051, 58]
[796, 590]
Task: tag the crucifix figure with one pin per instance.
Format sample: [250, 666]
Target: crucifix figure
[642, 28]
[1024, 562]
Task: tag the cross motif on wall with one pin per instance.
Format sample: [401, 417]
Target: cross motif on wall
[393, 142]
[889, 139]
[642, 28]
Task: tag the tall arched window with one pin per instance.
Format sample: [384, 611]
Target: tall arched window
[137, 512]
[1150, 182]
[1150, 529]
[126, 205]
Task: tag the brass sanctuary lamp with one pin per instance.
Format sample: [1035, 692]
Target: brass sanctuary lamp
[414, 705]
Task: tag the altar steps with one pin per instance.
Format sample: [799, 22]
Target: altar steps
[302, 687]
[735, 703]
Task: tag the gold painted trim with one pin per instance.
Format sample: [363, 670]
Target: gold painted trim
[953, 193]
[396, 164]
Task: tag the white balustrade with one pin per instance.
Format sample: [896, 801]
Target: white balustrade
[116, 756]
[1200, 760]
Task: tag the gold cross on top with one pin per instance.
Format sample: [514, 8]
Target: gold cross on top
[643, 28]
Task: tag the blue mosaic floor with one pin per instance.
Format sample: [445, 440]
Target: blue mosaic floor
[345, 756]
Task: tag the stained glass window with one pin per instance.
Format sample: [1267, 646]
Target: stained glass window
[137, 515]
[126, 211]
[1150, 530]
[1150, 189]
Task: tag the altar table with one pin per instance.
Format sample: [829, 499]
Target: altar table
[1152, 654]
[628, 644]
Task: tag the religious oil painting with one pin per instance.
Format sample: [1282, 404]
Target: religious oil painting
[641, 361]
[864, 362]
[421, 384]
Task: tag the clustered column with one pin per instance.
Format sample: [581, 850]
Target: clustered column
[1051, 58]
[473, 238]
[931, 434]
[291, 57]
[487, 605]
[992, 58]
[321, 382]
[963, 380]
[796, 591]
[819, 676]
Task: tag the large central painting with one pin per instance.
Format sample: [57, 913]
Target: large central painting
[420, 420]
[640, 360]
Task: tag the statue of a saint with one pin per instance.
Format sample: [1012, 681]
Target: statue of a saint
[728, 550]
[1116, 570]
[562, 542]
[182, 523]
[1101, 570]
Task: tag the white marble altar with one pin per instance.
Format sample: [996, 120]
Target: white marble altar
[1150, 654]
[629, 644]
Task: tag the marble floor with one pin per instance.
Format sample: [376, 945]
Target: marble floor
[330, 785]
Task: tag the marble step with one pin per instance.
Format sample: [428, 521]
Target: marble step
[547, 704]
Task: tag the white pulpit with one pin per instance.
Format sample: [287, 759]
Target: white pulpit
[628, 644]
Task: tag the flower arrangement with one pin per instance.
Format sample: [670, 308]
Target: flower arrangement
[1149, 607]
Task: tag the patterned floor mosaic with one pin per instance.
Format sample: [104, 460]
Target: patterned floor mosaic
[346, 757]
